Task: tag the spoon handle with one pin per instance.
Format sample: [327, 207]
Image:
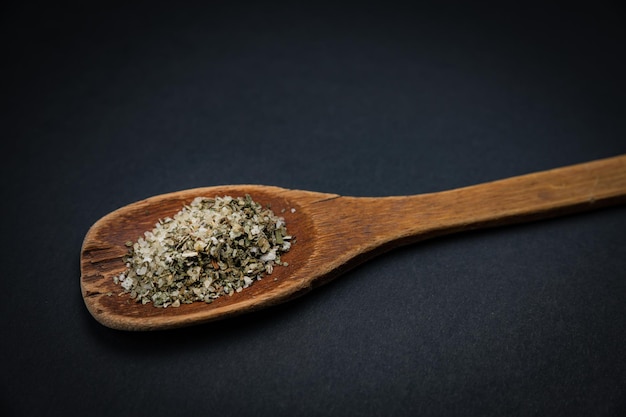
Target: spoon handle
[377, 222]
[535, 196]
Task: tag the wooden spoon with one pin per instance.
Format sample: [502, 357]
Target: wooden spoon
[333, 234]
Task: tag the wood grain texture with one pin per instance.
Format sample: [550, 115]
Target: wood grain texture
[333, 234]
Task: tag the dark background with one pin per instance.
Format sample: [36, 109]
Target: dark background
[105, 105]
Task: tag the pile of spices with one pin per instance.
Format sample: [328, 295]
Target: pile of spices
[212, 247]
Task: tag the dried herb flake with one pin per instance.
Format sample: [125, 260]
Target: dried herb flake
[212, 247]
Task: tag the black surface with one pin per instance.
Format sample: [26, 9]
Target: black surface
[103, 106]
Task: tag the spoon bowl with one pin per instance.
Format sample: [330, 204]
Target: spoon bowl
[104, 249]
[332, 234]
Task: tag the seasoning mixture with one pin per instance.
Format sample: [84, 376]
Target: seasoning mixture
[212, 247]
